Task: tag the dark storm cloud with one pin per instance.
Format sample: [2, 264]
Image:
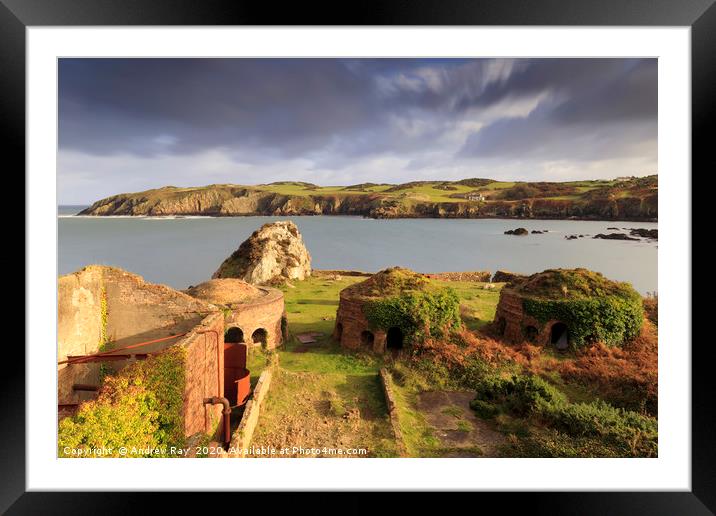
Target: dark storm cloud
[337, 112]
[125, 105]
[595, 108]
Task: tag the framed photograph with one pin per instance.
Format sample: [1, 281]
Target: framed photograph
[419, 250]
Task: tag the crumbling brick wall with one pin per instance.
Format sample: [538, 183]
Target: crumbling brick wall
[351, 324]
[512, 321]
[204, 376]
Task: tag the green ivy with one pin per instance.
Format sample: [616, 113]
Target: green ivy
[417, 314]
[104, 369]
[141, 406]
[610, 319]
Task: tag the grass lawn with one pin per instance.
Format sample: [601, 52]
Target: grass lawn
[326, 411]
[477, 304]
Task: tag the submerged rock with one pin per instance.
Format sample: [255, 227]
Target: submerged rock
[273, 253]
[518, 231]
[614, 236]
[645, 233]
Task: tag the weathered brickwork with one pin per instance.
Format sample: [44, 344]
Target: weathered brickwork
[256, 311]
[352, 329]
[515, 326]
[99, 305]
[204, 376]
[264, 313]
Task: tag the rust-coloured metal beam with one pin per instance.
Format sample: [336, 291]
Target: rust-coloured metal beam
[86, 359]
[112, 351]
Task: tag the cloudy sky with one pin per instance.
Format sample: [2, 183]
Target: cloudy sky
[132, 124]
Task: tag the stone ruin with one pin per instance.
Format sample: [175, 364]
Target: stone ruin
[102, 308]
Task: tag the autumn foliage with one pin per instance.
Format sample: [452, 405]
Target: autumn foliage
[627, 376]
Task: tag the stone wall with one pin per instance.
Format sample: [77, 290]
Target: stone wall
[79, 329]
[478, 276]
[266, 313]
[351, 323]
[387, 382]
[138, 311]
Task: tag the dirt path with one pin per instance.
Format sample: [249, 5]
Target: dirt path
[331, 411]
[461, 432]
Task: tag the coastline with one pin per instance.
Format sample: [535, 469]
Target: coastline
[403, 217]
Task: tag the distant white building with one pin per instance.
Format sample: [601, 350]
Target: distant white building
[475, 197]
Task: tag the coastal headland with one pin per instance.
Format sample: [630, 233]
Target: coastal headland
[633, 198]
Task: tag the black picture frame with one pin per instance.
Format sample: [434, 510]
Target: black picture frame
[700, 15]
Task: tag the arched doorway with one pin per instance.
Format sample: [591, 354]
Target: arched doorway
[234, 335]
[260, 336]
[559, 336]
[339, 331]
[367, 338]
[531, 333]
[394, 339]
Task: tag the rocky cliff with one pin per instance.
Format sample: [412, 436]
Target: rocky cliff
[623, 201]
[274, 252]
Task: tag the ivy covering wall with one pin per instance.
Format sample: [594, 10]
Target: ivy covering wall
[593, 307]
[140, 407]
[417, 314]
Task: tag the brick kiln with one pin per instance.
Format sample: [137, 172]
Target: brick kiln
[353, 329]
[255, 314]
[565, 298]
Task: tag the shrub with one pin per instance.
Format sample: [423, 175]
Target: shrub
[627, 432]
[651, 307]
[518, 395]
[550, 443]
[484, 409]
[610, 320]
[141, 406]
[632, 433]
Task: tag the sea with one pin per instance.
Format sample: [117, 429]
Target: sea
[182, 251]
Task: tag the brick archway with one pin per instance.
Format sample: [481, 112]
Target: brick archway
[367, 339]
[559, 335]
[234, 335]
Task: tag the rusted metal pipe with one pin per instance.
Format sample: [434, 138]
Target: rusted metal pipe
[215, 400]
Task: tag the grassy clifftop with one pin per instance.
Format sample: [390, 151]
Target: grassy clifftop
[629, 199]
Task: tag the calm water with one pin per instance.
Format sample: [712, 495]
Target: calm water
[185, 251]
